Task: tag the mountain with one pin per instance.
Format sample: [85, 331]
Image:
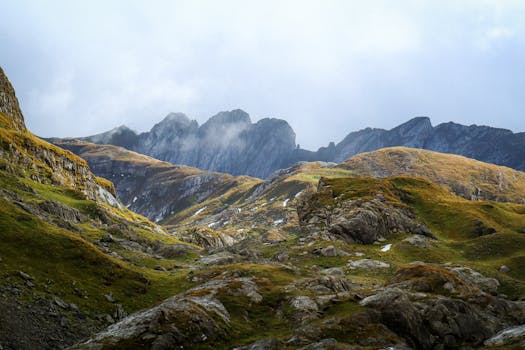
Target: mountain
[73, 259]
[492, 145]
[154, 188]
[318, 256]
[230, 143]
[465, 177]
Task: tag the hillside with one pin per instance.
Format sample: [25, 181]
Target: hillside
[154, 188]
[434, 275]
[73, 259]
[466, 177]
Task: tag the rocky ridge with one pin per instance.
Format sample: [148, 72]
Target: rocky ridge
[228, 142]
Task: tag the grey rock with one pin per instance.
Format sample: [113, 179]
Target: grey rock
[419, 241]
[220, 258]
[509, 336]
[263, 344]
[367, 264]
[304, 303]
[109, 298]
[182, 321]
[25, 276]
[504, 269]
[61, 303]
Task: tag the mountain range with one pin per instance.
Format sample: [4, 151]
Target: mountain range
[230, 143]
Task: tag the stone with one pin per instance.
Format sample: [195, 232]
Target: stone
[25, 276]
[333, 271]
[509, 336]
[220, 258]
[418, 241]
[304, 303]
[504, 269]
[368, 264]
[61, 303]
[109, 297]
[107, 239]
[262, 344]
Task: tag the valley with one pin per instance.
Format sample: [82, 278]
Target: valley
[102, 247]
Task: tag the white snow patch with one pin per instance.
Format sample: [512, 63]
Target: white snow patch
[298, 194]
[285, 202]
[239, 210]
[278, 222]
[107, 197]
[134, 199]
[272, 199]
[386, 247]
[212, 224]
[199, 211]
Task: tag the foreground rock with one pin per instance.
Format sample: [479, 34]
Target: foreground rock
[431, 306]
[182, 321]
[334, 214]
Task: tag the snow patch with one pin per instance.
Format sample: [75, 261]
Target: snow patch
[285, 202]
[278, 222]
[212, 224]
[386, 247]
[298, 194]
[199, 211]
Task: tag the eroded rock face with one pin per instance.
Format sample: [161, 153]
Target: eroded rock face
[430, 305]
[184, 320]
[9, 103]
[361, 220]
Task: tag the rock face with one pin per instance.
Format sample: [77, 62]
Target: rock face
[151, 187]
[492, 145]
[466, 316]
[182, 321]
[9, 103]
[329, 214]
[230, 143]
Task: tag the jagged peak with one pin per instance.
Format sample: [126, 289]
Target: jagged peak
[230, 117]
[176, 117]
[420, 121]
[9, 103]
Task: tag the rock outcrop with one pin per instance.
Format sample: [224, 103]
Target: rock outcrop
[185, 320]
[9, 104]
[335, 215]
[416, 308]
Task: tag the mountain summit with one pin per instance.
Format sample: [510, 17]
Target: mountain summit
[9, 104]
[228, 142]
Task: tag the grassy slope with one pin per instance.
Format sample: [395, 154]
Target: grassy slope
[464, 176]
[76, 269]
[461, 226]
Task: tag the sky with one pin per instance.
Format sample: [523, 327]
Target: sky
[327, 67]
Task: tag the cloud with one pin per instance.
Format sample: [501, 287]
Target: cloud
[327, 67]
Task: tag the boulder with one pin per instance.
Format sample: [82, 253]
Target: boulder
[367, 264]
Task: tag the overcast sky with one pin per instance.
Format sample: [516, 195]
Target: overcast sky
[327, 67]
